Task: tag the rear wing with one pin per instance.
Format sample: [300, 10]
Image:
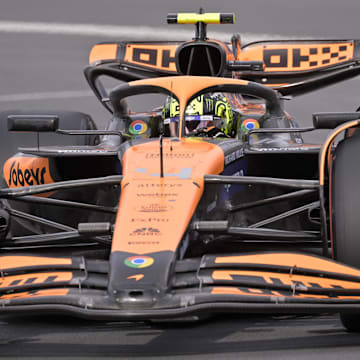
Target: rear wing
[285, 62]
[293, 67]
[295, 56]
[155, 57]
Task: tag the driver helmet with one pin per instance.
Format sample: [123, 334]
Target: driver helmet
[205, 110]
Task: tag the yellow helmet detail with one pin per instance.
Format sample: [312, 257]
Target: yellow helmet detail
[214, 107]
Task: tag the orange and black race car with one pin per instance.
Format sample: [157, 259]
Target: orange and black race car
[200, 197]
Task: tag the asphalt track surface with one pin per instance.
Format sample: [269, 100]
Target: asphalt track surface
[40, 69]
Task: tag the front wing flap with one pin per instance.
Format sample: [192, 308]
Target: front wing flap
[262, 282]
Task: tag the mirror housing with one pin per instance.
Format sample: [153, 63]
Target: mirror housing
[330, 120]
[33, 123]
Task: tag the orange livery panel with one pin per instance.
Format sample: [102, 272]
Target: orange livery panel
[154, 212]
[298, 56]
[35, 294]
[263, 278]
[276, 296]
[42, 278]
[103, 52]
[27, 171]
[154, 56]
[13, 262]
[290, 260]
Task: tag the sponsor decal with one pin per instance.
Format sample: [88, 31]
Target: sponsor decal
[79, 151]
[27, 176]
[296, 284]
[35, 293]
[154, 208]
[137, 277]
[172, 155]
[34, 279]
[137, 127]
[158, 185]
[234, 156]
[184, 173]
[249, 124]
[147, 243]
[154, 56]
[27, 171]
[157, 195]
[146, 231]
[139, 262]
[307, 56]
[149, 219]
[282, 149]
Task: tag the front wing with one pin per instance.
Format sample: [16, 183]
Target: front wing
[276, 282]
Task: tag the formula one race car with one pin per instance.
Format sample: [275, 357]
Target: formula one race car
[200, 196]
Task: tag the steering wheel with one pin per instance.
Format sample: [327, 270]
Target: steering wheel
[208, 131]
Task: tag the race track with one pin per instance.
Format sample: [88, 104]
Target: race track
[41, 68]
[226, 337]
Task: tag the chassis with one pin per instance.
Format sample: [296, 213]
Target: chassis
[157, 227]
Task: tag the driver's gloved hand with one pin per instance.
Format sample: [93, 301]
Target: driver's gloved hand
[215, 132]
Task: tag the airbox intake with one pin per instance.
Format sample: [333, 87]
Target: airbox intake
[201, 58]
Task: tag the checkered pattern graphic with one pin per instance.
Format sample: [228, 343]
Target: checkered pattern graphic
[299, 56]
[323, 55]
[339, 55]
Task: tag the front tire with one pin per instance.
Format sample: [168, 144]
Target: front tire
[346, 201]
[351, 321]
[346, 212]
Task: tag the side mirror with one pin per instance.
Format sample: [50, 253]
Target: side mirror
[330, 120]
[33, 123]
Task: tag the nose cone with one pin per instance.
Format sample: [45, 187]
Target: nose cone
[154, 213]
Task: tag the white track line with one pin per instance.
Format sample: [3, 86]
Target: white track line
[170, 32]
[46, 95]
[106, 31]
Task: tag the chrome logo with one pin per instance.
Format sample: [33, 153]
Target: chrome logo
[139, 262]
[137, 127]
[250, 124]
